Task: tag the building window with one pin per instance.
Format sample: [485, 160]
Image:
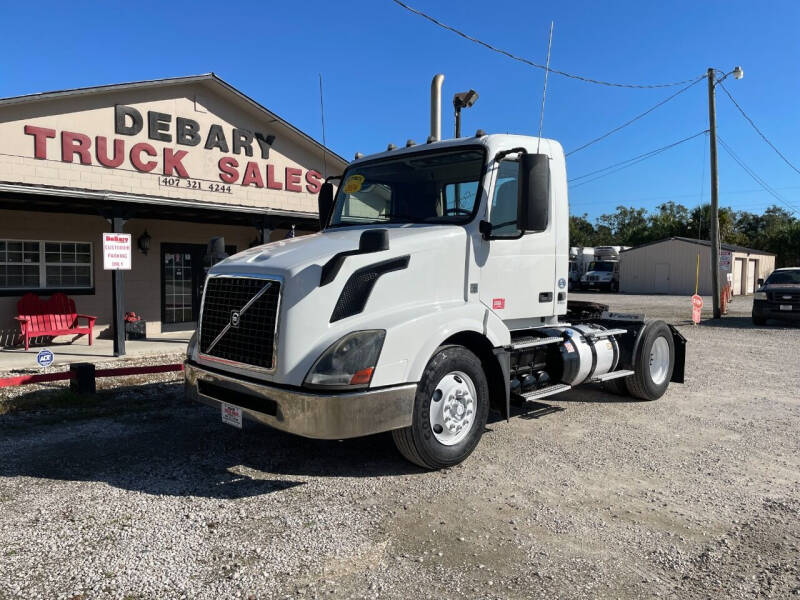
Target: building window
[41, 265]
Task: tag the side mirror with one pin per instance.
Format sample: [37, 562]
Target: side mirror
[760, 281]
[325, 203]
[533, 200]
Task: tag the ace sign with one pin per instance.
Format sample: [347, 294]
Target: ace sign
[117, 251]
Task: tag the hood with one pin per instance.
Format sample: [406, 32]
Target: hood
[289, 257]
[312, 315]
[791, 288]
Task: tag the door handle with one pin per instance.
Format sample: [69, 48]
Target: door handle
[545, 296]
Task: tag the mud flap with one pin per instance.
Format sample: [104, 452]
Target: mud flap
[680, 355]
[504, 360]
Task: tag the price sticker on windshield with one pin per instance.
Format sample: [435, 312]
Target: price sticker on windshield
[353, 184]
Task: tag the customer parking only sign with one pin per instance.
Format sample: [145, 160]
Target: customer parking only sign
[117, 251]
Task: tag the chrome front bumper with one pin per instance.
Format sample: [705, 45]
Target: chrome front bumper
[324, 416]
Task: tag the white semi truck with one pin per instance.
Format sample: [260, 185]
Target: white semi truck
[580, 258]
[435, 291]
[602, 273]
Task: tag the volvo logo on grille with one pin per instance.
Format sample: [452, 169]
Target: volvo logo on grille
[236, 317]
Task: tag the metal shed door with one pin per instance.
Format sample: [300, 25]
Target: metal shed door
[751, 276]
[738, 271]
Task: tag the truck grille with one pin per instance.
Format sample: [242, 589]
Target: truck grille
[784, 297]
[239, 320]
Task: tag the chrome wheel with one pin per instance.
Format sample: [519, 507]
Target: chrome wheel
[453, 408]
[659, 360]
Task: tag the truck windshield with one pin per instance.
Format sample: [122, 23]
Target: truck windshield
[602, 266]
[428, 187]
[784, 277]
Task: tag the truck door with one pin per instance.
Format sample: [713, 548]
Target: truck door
[518, 275]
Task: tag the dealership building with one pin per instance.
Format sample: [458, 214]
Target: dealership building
[173, 162]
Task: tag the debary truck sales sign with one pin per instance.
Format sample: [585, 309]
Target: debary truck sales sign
[243, 154]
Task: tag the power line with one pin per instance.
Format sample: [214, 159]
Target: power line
[754, 176]
[754, 126]
[530, 63]
[619, 166]
[634, 119]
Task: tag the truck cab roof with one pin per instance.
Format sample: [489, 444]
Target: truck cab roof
[494, 143]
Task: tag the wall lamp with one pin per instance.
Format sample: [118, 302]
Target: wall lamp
[143, 241]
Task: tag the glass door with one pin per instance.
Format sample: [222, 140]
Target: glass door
[183, 268]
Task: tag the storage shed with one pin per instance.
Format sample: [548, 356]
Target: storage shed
[669, 266]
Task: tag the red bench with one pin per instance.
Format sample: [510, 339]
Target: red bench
[55, 316]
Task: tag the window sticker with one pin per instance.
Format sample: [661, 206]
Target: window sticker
[353, 184]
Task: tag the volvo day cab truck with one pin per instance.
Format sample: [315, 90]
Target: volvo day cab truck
[435, 291]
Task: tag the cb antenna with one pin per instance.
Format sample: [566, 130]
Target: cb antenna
[324, 143]
[544, 91]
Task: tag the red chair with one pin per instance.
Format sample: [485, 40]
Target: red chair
[52, 317]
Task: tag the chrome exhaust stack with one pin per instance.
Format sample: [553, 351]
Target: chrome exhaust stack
[436, 107]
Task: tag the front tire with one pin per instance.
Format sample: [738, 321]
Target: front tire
[450, 410]
[653, 362]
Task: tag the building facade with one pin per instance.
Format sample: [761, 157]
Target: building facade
[670, 267]
[172, 162]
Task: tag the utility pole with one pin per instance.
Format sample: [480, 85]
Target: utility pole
[714, 229]
[737, 73]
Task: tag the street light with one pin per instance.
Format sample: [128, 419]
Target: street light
[463, 100]
[737, 73]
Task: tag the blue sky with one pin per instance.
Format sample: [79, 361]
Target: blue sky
[377, 61]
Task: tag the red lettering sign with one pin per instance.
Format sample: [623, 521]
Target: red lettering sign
[271, 183]
[40, 135]
[227, 169]
[101, 150]
[172, 162]
[252, 174]
[136, 157]
[314, 181]
[75, 143]
[144, 157]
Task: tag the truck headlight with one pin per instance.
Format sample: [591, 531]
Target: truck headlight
[349, 361]
[761, 296]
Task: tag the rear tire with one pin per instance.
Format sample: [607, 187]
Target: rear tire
[653, 362]
[759, 320]
[453, 391]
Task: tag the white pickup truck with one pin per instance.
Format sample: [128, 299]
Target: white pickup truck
[435, 291]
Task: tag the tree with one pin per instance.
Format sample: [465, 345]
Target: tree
[671, 220]
[581, 231]
[628, 225]
[700, 220]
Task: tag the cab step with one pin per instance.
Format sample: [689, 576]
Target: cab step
[545, 391]
[611, 375]
[608, 333]
[533, 341]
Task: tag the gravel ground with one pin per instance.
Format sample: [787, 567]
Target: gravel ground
[586, 495]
